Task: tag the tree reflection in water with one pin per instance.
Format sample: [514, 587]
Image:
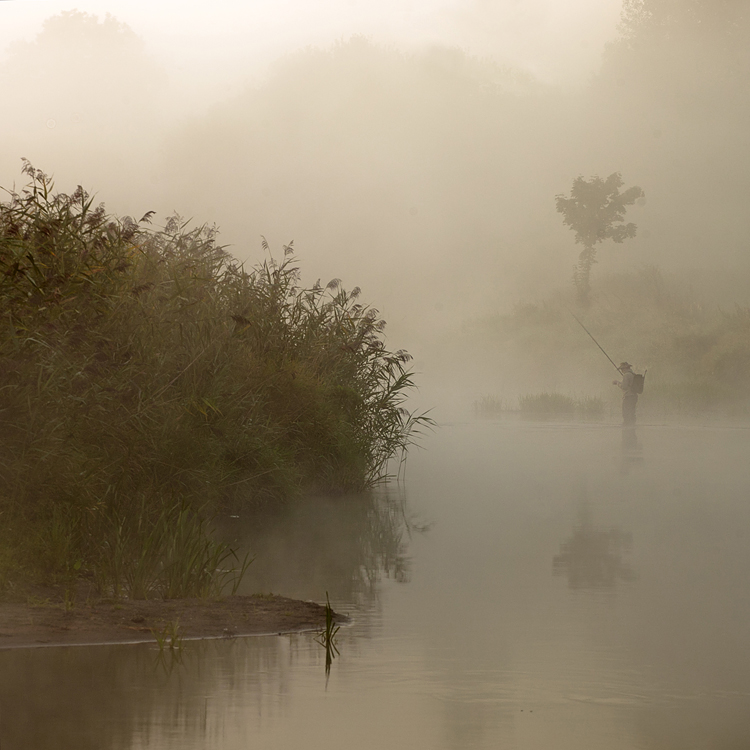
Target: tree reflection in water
[593, 558]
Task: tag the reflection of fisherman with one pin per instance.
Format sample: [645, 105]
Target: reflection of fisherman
[629, 395]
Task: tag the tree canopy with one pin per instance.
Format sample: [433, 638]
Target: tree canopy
[680, 50]
[595, 211]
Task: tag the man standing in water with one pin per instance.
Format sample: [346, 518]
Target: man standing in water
[629, 395]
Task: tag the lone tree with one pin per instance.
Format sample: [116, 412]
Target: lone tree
[595, 212]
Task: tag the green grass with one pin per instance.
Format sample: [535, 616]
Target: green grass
[150, 380]
[173, 555]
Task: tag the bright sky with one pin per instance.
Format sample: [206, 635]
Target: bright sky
[557, 40]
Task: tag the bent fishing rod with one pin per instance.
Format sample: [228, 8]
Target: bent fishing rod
[596, 342]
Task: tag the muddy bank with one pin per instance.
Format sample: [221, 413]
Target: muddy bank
[116, 621]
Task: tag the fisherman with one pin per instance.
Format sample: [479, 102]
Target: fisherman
[629, 394]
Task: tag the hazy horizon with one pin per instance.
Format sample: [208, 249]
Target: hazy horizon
[554, 44]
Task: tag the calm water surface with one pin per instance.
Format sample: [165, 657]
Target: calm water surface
[528, 586]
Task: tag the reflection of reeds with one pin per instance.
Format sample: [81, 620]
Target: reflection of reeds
[353, 541]
[327, 636]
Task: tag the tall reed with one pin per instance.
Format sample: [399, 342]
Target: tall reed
[144, 370]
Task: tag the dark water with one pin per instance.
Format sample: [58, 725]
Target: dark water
[577, 588]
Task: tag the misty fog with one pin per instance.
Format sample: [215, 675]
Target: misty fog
[424, 174]
[417, 152]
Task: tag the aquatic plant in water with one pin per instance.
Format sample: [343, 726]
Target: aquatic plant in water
[171, 644]
[327, 636]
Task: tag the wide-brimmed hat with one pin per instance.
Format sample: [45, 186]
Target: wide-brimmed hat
[623, 365]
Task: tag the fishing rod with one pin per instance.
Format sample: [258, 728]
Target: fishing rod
[596, 342]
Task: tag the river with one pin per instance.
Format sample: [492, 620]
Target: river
[525, 586]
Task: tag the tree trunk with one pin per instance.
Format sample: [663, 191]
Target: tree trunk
[582, 275]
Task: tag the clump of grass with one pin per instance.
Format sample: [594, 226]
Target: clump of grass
[590, 406]
[488, 406]
[140, 366]
[171, 643]
[169, 637]
[559, 404]
[546, 403]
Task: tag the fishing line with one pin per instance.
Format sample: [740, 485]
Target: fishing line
[596, 342]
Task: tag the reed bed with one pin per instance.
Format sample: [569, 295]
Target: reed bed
[148, 380]
[489, 406]
[559, 404]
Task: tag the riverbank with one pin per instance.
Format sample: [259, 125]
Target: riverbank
[42, 622]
